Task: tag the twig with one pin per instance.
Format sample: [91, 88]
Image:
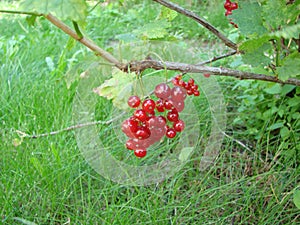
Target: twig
[25, 135]
[199, 20]
[88, 43]
[216, 58]
[19, 12]
[190, 68]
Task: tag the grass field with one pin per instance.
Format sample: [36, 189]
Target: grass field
[48, 181]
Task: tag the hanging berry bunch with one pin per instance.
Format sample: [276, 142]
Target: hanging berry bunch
[158, 115]
[229, 6]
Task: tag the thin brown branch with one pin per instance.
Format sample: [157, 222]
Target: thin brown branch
[88, 43]
[216, 58]
[199, 20]
[25, 135]
[139, 66]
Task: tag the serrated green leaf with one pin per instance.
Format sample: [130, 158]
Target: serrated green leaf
[274, 13]
[118, 88]
[257, 57]
[296, 198]
[290, 67]
[274, 89]
[249, 18]
[254, 44]
[75, 10]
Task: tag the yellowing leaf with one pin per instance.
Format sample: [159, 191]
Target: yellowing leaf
[118, 88]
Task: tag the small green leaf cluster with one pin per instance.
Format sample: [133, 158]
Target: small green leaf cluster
[270, 34]
[268, 109]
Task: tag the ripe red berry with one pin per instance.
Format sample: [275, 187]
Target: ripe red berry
[129, 127]
[142, 133]
[170, 133]
[234, 6]
[160, 107]
[149, 106]
[140, 153]
[179, 105]
[206, 75]
[196, 93]
[140, 114]
[162, 91]
[134, 101]
[191, 81]
[178, 94]
[173, 115]
[168, 104]
[228, 12]
[161, 121]
[178, 126]
[227, 5]
[130, 144]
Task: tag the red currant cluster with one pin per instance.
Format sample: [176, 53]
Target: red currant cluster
[190, 86]
[158, 117]
[229, 6]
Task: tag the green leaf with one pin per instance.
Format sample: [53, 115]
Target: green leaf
[167, 14]
[153, 30]
[274, 89]
[65, 9]
[118, 88]
[287, 32]
[290, 67]
[257, 57]
[296, 198]
[274, 13]
[249, 18]
[287, 89]
[276, 126]
[284, 132]
[31, 20]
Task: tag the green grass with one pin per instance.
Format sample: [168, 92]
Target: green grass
[47, 180]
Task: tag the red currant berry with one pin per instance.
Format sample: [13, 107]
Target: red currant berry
[140, 153]
[140, 114]
[149, 105]
[142, 133]
[162, 91]
[194, 87]
[168, 104]
[129, 127]
[179, 105]
[178, 126]
[228, 12]
[130, 144]
[170, 133]
[190, 92]
[175, 82]
[160, 107]
[173, 115]
[134, 101]
[161, 121]
[234, 6]
[227, 5]
[178, 94]
[197, 93]
[206, 75]
[191, 81]
[181, 83]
